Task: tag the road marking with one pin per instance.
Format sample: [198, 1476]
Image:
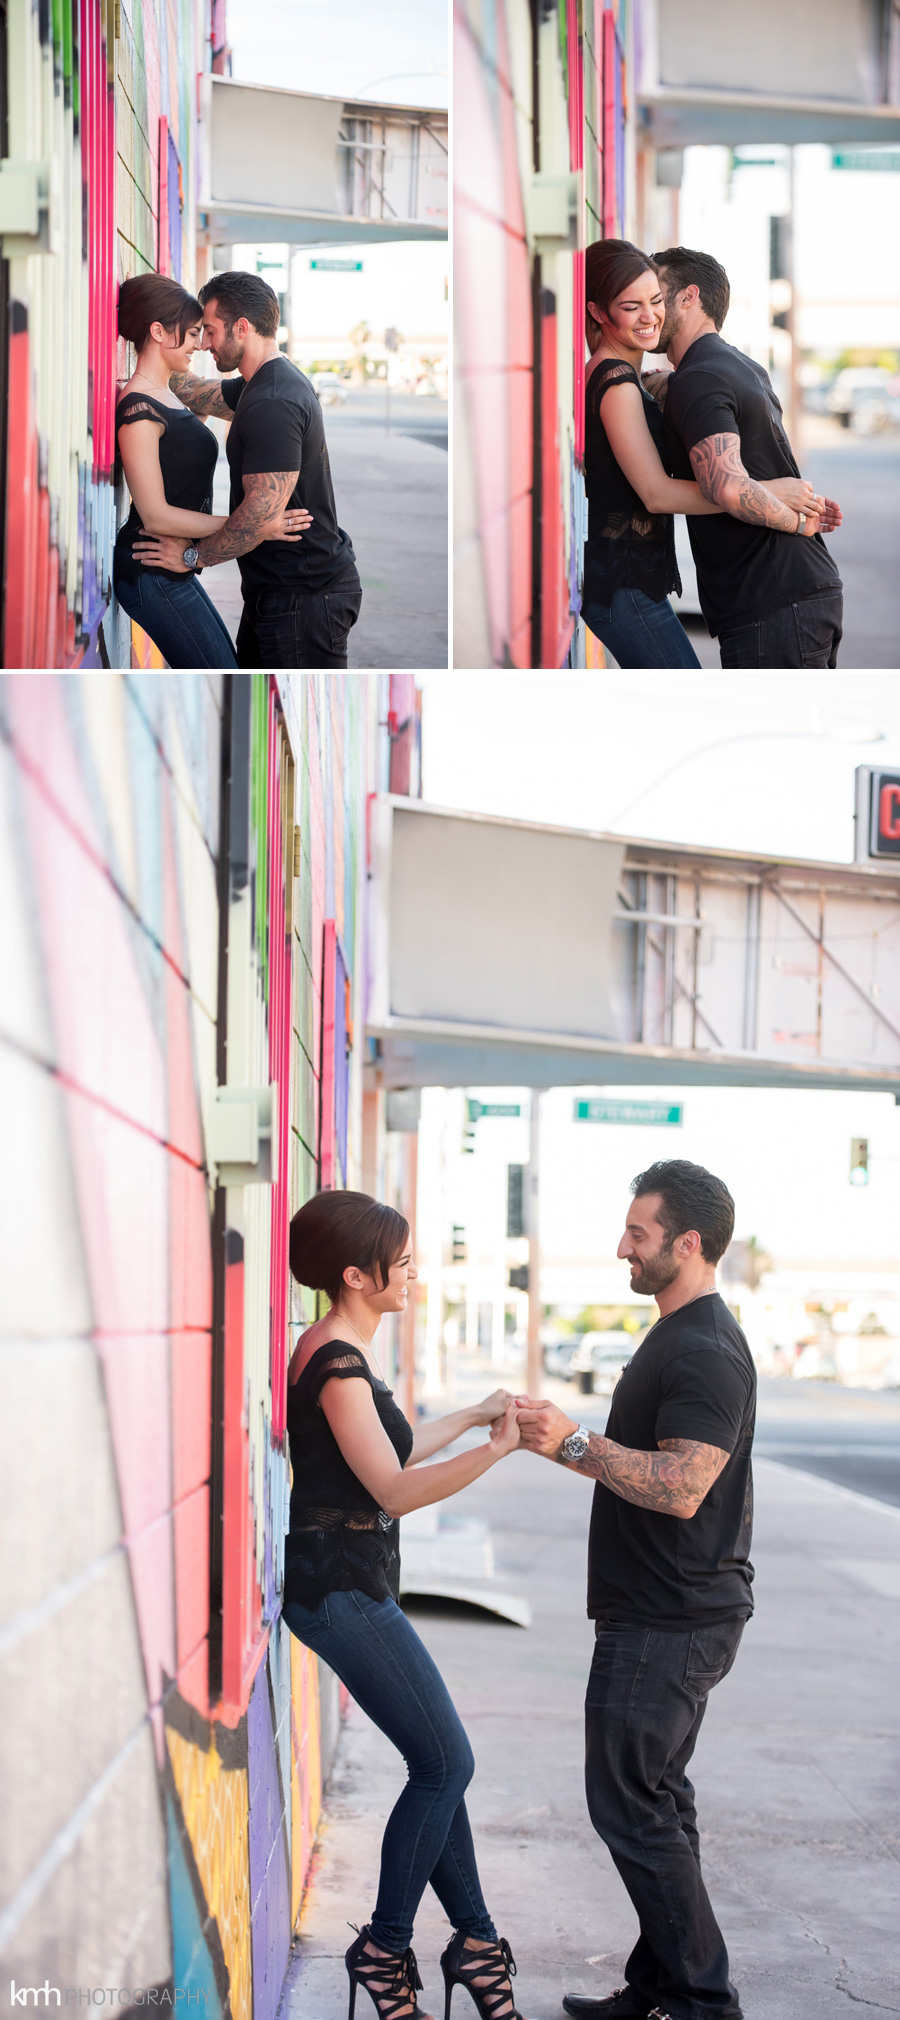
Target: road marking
[831, 1487]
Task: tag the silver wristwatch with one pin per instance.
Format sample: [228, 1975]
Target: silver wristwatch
[576, 1444]
[191, 556]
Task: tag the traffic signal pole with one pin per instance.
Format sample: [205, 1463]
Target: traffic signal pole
[534, 1367]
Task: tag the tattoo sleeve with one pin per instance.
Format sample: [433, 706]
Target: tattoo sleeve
[673, 1480]
[203, 396]
[716, 463]
[265, 497]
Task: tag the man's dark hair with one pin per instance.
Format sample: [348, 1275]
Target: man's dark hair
[240, 294]
[686, 269]
[691, 1198]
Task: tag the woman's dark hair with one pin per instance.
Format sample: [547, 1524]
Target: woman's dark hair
[610, 265]
[691, 1198]
[240, 294]
[335, 1230]
[154, 298]
[686, 269]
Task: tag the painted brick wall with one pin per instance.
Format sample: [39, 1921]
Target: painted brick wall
[169, 1737]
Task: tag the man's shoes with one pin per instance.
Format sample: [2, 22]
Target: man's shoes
[621, 2005]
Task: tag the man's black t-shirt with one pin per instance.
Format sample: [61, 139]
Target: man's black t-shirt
[278, 425]
[692, 1377]
[743, 571]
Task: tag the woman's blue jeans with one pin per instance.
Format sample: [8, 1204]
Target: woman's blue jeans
[640, 633]
[371, 1646]
[180, 619]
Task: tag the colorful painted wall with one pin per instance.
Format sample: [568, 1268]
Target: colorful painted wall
[182, 857]
[544, 163]
[102, 95]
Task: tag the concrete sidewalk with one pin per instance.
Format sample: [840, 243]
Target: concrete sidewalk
[795, 1769]
[391, 493]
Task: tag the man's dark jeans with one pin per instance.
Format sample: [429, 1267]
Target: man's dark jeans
[288, 627]
[645, 1702]
[807, 634]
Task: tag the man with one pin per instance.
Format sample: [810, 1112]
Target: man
[668, 1584]
[299, 601]
[769, 589]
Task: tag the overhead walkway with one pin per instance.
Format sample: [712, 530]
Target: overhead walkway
[508, 953]
[706, 72]
[291, 167]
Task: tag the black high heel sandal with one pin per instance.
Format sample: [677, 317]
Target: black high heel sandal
[397, 1977]
[496, 1963]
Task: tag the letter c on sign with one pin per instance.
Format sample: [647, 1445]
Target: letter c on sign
[889, 813]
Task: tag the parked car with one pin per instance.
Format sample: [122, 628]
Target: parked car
[599, 1359]
[330, 387]
[559, 1354]
[855, 389]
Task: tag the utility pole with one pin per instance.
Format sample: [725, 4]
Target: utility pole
[534, 1367]
[793, 320]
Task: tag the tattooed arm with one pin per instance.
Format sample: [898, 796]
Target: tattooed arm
[259, 516]
[203, 396]
[716, 463]
[674, 1480]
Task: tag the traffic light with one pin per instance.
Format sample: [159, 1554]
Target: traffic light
[459, 1251]
[518, 1278]
[515, 1202]
[859, 1160]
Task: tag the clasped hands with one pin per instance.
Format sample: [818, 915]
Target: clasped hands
[525, 1421]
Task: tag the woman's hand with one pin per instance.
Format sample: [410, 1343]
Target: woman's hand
[505, 1430]
[493, 1407]
[291, 525]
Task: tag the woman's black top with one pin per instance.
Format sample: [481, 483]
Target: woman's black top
[339, 1539]
[627, 547]
[188, 454]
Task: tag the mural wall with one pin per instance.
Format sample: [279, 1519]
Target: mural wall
[102, 95]
[544, 154]
[178, 852]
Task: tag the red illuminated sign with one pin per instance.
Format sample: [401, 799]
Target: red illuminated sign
[877, 814]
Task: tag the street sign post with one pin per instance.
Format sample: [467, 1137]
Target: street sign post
[866, 157]
[492, 1108]
[655, 1114]
[337, 266]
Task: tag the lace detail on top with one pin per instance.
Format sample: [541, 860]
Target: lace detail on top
[339, 1540]
[627, 547]
[142, 407]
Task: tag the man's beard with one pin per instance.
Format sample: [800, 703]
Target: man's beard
[670, 329]
[655, 1273]
[229, 354]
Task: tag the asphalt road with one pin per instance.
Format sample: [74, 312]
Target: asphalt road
[421, 416]
[848, 1436]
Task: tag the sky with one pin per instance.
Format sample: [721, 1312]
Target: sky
[395, 50]
[769, 767]
[764, 766]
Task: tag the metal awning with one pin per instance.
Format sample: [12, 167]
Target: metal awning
[692, 118]
[293, 167]
[511, 953]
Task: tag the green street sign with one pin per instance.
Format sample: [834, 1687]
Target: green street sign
[651, 1113]
[479, 1108]
[337, 266]
[866, 157]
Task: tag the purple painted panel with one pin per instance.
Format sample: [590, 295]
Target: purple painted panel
[270, 1894]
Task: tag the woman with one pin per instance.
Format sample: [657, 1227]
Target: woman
[169, 459]
[355, 1463]
[629, 557]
